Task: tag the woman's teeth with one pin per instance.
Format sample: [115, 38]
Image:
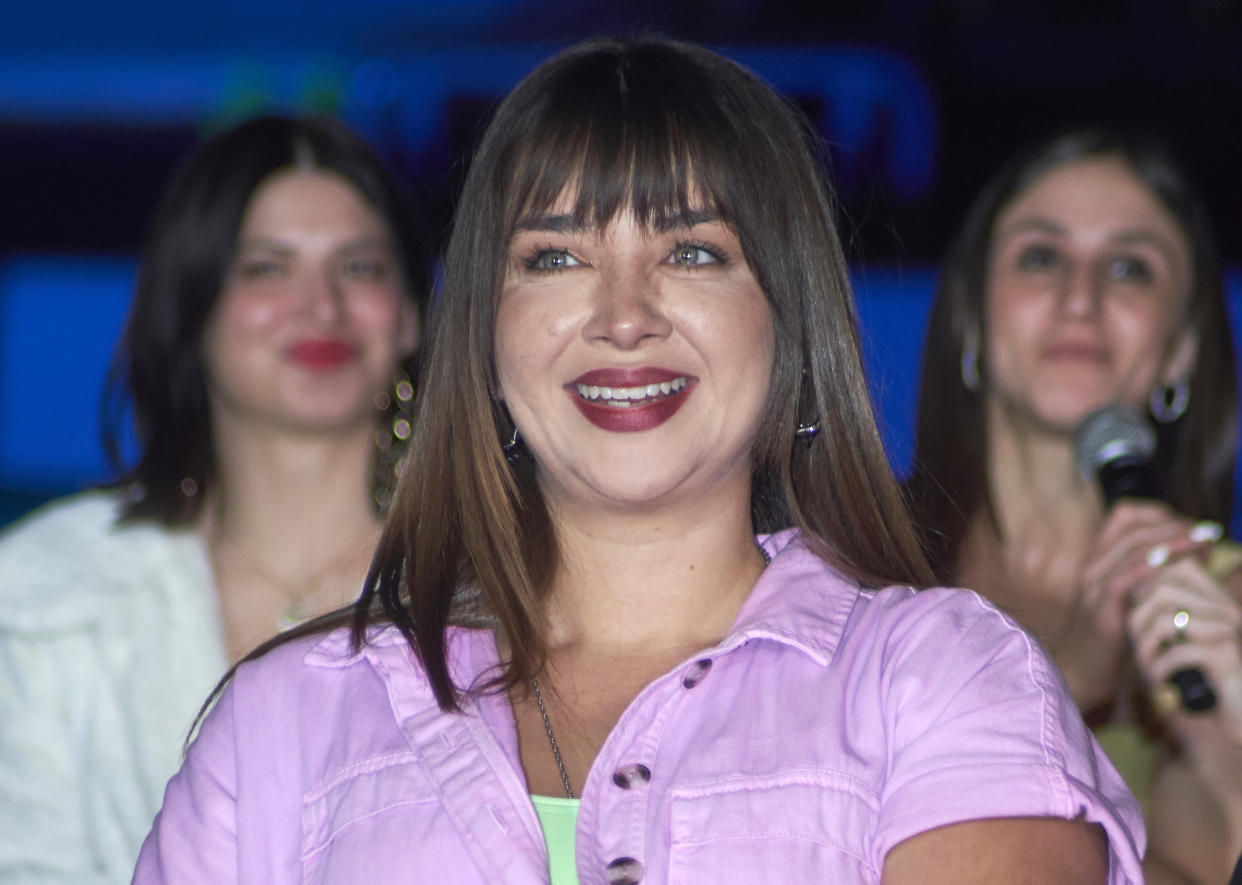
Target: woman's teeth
[624, 396]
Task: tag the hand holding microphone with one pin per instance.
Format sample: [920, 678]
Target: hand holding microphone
[1116, 447]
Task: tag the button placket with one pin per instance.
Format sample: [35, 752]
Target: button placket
[629, 776]
[696, 672]
[624, 871]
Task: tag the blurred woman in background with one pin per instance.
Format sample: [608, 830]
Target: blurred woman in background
[267, 357]
[1086, 276]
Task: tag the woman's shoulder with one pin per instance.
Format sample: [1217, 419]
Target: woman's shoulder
[84, 515]
[70, 561]
[946, 623]
[328, 662]
[322, 699]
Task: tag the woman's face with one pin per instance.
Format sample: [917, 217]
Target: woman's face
[1088, 277]
[634, 361]
[312, 319]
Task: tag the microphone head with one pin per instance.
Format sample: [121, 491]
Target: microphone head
[1110, 434]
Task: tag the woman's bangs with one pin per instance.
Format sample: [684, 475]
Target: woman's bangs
[595, 166]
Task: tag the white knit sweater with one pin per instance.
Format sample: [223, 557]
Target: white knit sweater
[110, 639]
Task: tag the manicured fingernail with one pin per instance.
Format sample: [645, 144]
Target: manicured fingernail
[1206, 532]
[1157, 556]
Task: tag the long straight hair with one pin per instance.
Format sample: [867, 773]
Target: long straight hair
[948, 487]
[658, 128]
[158, 368]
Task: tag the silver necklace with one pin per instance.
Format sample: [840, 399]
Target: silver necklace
[547, 723]
[556, 751]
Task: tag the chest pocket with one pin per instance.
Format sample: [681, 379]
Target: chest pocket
[381, 802]
[803, 826]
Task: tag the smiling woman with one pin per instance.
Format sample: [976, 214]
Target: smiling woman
[625, 310]
[643, 608]
[1085, 277]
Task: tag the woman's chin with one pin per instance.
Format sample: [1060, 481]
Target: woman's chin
[1066, 412]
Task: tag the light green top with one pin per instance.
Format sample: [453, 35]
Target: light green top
[559, 818]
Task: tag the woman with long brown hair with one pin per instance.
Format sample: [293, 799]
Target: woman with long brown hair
[1085, 284]
[643, 608]
[277, 300]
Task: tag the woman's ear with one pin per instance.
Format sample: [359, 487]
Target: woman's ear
[407, 329]
[1182, 355]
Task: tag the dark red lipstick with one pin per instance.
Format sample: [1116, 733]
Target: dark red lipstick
[322, 354]
[627, 400]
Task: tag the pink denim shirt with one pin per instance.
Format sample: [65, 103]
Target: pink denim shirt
[829, 725]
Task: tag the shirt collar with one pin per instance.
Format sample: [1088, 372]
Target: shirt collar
[799, 601]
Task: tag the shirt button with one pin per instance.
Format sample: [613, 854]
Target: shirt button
[696, 672]
[624, 871]
[631, 775]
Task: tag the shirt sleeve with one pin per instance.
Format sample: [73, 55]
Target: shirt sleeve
[981, 725]
[194, 837]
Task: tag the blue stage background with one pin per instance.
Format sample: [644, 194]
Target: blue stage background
[917, 100]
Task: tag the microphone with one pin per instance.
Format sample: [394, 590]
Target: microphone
[1115, 446]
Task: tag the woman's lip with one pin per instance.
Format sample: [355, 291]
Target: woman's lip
[322, 353]
[639, 376]
[1077, 352]
[628, 416]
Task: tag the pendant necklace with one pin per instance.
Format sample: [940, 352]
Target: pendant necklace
[547, 727]
[547, 723]
[300, 603]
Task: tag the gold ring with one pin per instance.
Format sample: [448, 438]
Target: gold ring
[1181, 620]
[1158, 555]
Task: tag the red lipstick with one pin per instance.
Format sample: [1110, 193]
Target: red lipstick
[1075, 351]
[322, 354]
[627, 400]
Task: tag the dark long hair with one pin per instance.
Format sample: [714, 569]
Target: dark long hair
[659, 128]
[158, 366]
[948, 487]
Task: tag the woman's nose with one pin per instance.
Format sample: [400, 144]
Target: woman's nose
[325, 294]
[1081, 290]
[628, 310]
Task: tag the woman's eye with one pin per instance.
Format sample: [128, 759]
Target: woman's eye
[261, 269]
[364, 269]
[1130, 270]
[694, 255]
[549, 260]
[1038, 258]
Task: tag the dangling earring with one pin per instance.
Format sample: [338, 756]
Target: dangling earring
[806, 433]
[970, 367]
[1167, 404]
[392, 436]
[513, 448]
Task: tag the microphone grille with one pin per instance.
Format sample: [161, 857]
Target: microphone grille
[1110, 433]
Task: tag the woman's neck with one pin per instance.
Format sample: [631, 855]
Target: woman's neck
[657, 582]
[1032, 475]
[296, 498]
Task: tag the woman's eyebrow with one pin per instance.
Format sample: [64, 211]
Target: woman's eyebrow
[565, 223]
[1032, 223]
[266, 244]
[687, 219]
